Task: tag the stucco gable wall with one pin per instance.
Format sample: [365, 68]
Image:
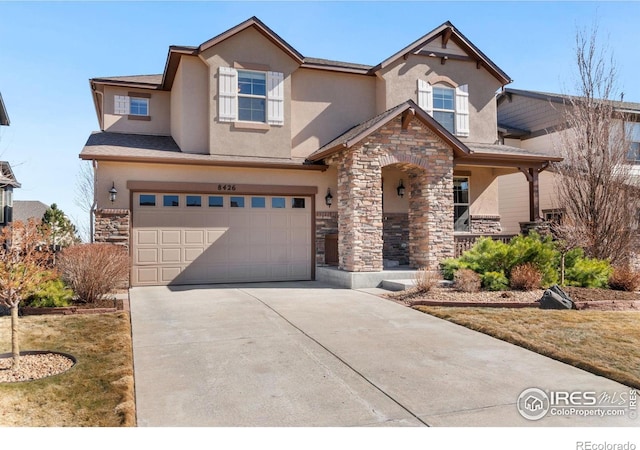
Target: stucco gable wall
[399, 83]
[325, 104]
[249, 47]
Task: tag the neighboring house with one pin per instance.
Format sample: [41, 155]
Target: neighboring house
[4, 117]
[23, 210]
[531, 121]
[7, 183]
[247, 161]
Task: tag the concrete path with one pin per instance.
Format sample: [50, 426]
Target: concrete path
[304, 354]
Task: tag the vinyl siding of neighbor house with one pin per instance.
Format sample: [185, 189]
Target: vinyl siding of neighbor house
[530, 114]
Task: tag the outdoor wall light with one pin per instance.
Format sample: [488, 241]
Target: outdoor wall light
[400, 189]
[112, 192]
[328, 199]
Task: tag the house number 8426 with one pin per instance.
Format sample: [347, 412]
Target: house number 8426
[226, 187]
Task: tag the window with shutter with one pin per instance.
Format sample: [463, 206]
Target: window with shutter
[449, 106]
[250, 96]
[121, 105]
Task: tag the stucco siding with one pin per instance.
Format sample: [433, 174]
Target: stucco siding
[159, 111]
[189, 106]
[401, 84]
[251, 48]
[325, 104]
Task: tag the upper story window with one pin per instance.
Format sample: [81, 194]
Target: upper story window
[250, 96]
[633, 155]
[444, 110]
[448, 105]
[135, 105]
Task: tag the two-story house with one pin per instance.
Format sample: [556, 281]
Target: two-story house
[7, 179]
[247, 161]
[532, 121]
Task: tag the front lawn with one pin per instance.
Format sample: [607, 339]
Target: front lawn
[606, 343]
[97, 391]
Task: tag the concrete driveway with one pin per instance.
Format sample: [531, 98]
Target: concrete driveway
[305, 354]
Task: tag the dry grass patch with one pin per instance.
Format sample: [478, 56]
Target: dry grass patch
[97, 391]
[606, 343]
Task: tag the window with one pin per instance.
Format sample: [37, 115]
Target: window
[461, 204]
[633, 155]
[170, 200]
[216, 201]
[2, 205]
[444, 107]
[278, 202]
[130, 105]
[147, 200]
[237, 202]
[139, 106]
[298, 203]
[194, 200]
[250, 96]
[258, 202]
[448, 105]
[553, 215]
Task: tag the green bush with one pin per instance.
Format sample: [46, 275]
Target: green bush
[495, 281]
[51, 293]
[589, 273]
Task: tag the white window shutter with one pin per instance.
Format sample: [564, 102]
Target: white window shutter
[462, 110]
[121, 105]
[425, 96]
[227, 94]
[275, 98]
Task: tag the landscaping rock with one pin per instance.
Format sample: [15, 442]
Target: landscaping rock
[556, 298]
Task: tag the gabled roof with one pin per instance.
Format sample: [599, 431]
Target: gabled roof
[7, 178]
[471, 153]
[23, 210]
[447, 32]
[4, 117]
[356, 134]
[620, 106]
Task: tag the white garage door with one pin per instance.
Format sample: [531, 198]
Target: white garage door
[202, 238]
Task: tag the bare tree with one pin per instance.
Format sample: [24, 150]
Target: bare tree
[85, 196]
[596, 188]
[24, 260]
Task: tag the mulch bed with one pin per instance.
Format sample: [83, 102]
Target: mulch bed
[592, 299]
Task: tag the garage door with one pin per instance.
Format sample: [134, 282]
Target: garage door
[201, 238]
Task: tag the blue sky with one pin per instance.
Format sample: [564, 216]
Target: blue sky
[50, 50]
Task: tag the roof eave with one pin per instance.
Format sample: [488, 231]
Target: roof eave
[4, 116]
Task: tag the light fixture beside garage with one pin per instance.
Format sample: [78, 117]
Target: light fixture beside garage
[328, 199]
[400, 189]
[113, 192]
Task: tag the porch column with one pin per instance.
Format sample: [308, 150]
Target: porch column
[534, 193]
[360, 213]
[430, 219]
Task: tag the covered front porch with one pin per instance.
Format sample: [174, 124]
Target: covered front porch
[406, 188]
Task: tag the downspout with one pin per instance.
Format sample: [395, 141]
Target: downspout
[92, 210]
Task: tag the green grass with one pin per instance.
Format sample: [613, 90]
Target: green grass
[97, 391]
[606, 343]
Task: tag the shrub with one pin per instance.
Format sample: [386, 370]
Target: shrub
[466, 280]
[494, 281]
[93, 270]
[425, 279]
[50, 293]
[448, 267]
[525, 277]
[589, 272]
[623, 278]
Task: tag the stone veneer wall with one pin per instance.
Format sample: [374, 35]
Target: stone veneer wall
[429, 163]
[485, 224]
[326, 223]
[395, 237]
[112, 226]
